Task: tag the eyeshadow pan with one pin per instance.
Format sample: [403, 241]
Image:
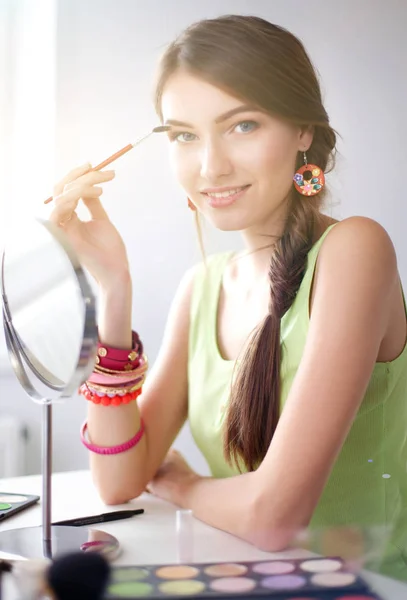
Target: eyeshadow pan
[185, 587]
[326, 565]
[130, 589]
[333, 579]
[226, 570]
[4, 506]
[177, 572]
[122, 575]
[275, 567]
[12, 498]
[284, 582]
[233, 584]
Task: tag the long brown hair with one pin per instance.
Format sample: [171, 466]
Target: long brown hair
[265, 65]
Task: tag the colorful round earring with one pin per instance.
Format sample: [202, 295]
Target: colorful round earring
[309, 179]
[191, 205]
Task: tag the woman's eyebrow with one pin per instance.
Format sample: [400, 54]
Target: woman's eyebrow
[223, 117]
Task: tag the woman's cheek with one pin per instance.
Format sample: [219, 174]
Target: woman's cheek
[183, 167]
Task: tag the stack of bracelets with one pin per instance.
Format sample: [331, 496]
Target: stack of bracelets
[117, 379]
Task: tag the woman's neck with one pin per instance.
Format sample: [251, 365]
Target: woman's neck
[251, 265]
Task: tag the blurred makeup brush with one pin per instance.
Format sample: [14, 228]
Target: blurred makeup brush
[78, 575]
[116, 155]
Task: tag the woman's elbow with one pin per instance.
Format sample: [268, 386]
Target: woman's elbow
[269, 538]
[113, 498]
[267, 533]
[112, 495]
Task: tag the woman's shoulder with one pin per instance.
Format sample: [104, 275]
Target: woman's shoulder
[360, 239]
[356, 263]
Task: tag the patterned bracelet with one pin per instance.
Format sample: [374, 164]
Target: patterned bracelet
[113, 390]
[118, 359]
[111, 449]
[116, 378]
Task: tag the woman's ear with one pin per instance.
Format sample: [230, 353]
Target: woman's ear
[306, 136]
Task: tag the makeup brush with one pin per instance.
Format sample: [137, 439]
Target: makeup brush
[5, 567]
[29, 576]
[116, 155]
[78, 575]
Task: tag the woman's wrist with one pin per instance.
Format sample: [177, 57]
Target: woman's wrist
[186, 485]
[115, 307]
[121, 280]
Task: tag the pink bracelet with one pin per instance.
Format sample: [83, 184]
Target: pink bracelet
[109, 357]
[111, 449]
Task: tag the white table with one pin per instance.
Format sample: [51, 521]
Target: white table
[150, 538]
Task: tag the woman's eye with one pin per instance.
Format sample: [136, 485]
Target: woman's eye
[247, 126]
[182, 136]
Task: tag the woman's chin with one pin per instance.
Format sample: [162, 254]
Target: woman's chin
[229, 222]
[227, 226]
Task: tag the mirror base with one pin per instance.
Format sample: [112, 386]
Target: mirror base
[28, 542]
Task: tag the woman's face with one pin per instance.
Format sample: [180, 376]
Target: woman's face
[234, 162]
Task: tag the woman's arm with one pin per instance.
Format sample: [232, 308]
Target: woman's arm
[163, 403]
[355, 279]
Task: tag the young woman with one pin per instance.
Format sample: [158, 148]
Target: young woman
[289, 359]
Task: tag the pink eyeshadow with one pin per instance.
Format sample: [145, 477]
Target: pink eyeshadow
[274, 568]
[233, 584]
[284, 582]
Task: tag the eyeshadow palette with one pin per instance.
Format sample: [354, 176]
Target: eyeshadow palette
[305, 579]
[10, 504]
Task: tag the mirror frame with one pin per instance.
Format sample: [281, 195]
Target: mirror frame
[22, 360]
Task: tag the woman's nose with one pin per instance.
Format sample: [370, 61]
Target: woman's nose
[215, 161]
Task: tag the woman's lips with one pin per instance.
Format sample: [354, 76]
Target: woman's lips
[222, 202]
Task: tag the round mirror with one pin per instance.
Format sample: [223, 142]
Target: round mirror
[48, 310]
[49, 316]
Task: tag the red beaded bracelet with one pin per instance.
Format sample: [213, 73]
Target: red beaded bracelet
[110, 401]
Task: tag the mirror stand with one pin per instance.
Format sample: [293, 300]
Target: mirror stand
[47, 540]
[46, 450]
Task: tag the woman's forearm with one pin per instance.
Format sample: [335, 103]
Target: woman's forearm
[234, 505]
[118, 477]
[114, 312]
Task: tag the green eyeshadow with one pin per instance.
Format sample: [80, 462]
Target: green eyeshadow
[130, 589]
[182, 587]
[121, 575]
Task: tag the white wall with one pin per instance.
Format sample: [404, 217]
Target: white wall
[107, 50]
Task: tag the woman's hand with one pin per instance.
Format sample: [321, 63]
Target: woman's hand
[172, 479]
[97, 242]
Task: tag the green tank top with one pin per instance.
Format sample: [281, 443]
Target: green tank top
[368, 483]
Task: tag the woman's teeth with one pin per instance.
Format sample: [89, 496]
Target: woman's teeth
[224, 194]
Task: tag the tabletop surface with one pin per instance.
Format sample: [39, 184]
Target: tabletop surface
[152, 537]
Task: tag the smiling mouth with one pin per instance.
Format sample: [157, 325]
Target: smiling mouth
[226, 193]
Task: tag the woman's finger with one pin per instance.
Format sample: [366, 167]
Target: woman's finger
[95, 208]
[91, 178]
[61, 216]
[66, 203]
[71, 176]
[76, 193]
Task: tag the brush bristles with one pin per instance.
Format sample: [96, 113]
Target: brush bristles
[161, 128]
[5, 566]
